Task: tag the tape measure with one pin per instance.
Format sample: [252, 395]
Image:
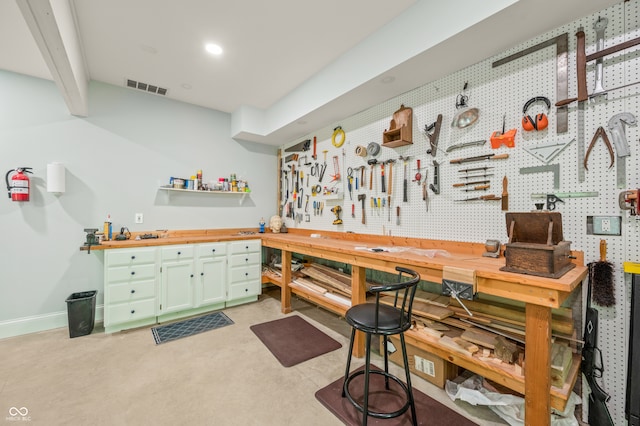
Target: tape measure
[338, 132]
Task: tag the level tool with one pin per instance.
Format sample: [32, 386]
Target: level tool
[568, 194]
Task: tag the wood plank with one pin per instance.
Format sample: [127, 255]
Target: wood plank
[467, 346]
[561, 358]
[480, 337]
[325, 278]
[358, 296]
[423, 309]
[513, 315]
[537, 375]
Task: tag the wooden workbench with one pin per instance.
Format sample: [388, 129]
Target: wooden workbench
[539, 294]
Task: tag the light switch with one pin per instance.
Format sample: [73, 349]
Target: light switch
[139, 218]
[604, 225]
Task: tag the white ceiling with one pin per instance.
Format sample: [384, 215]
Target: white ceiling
[289, 66]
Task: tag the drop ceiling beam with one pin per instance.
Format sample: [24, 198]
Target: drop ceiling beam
[52, 24]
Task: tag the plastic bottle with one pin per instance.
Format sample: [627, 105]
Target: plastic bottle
[199, 177]
[262, 225]
[107, 228]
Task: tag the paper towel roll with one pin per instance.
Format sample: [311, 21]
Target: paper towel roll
[55, 178]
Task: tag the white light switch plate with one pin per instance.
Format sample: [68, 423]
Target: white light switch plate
[139, 218]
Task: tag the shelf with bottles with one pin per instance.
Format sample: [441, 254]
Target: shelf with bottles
[171, 190]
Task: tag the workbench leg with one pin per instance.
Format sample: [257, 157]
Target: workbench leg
[358, 296]
[285, 290]
[537, 376]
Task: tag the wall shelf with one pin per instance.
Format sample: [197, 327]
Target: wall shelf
[171, 190]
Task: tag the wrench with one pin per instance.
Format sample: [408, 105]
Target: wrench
[599, 26]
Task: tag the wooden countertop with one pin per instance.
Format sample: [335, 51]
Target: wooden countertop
[180, 237]
[429, 257]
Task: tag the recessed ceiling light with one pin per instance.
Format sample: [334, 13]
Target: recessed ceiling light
[214, 49]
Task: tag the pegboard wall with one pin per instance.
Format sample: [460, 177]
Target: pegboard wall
[497, 92]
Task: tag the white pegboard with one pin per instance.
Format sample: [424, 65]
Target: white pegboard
[498, 92]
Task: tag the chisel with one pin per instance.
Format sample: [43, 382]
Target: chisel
[477, 182]
[480, 158]
[505, 194]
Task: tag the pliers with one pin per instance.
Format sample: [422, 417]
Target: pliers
[599, 133]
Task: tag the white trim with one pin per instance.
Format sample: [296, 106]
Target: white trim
[36, 323]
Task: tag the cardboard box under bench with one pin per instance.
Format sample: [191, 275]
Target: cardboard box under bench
[423, 364]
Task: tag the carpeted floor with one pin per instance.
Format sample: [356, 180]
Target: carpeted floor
[224, 377]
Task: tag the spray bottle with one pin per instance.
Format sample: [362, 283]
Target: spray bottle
[108, 228]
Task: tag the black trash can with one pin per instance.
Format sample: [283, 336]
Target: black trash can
[81, 310]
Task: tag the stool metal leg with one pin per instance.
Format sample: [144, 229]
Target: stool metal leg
[367, 368]
[408, 375]
[386, 363]
[346, 373]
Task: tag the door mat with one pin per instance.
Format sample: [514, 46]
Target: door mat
[428, 410]
[293, 340]
[189, 327]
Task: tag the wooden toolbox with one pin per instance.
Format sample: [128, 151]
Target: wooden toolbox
[536, 245]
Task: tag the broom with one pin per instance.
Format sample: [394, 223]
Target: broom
[603, 278]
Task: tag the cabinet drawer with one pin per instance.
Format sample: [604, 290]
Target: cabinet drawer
[239, 247]
[244, 274]
[130, 273]
[125, 312]
[213, 249]
[245, 259]
[247, 289]
[128, 292]
[177, 252]
[130, 257]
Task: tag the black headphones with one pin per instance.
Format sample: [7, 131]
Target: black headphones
[539, 121]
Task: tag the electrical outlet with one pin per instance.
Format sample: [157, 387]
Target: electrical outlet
[139, 218]
[604, 225]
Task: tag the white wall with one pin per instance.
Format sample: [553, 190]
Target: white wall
[115, 160]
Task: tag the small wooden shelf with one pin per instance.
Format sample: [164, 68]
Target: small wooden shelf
[400, 129]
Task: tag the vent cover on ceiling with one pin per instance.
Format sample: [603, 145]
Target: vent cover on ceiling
[146, 87]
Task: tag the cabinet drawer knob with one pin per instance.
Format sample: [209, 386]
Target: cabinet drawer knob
[179, 253]
[246, 274]
[247, 259]
[191, 275]
[132, 291]
[133, 272]
[213, 250]
[133, 311]
[201, 274]
[133, 257]
[247, 247]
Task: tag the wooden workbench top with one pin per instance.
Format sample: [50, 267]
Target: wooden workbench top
[180, 237]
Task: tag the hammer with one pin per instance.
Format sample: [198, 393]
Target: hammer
[372, 162]
[361, 197]
[390, 162]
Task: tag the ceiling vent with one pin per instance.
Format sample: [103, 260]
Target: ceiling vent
[146, 87]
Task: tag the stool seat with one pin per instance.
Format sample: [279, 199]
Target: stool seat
[384, 320]
[390, 320]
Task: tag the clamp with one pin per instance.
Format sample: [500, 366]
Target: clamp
[600, 133]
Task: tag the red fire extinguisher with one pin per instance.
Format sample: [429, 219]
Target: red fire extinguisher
[18, 189]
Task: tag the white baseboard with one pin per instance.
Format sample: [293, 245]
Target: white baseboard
[36, 323]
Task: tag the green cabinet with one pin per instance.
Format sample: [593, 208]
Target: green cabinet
[130, 288]
[211, 274]
[148, 285]
[177, 278]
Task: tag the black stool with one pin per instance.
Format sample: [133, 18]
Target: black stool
[384, 320]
